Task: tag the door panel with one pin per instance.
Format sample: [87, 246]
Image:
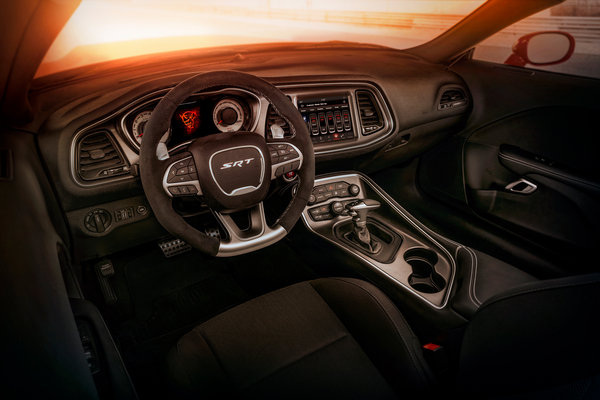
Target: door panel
[530, 157]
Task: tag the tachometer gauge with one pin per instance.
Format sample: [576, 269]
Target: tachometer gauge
[229, 115]
[139, 125]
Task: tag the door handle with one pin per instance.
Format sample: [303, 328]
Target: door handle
[521, 186]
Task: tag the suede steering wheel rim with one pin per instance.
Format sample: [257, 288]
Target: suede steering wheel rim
[225, 188]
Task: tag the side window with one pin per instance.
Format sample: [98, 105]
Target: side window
[564, 38]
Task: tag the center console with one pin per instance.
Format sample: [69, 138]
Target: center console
[353, 213]
[450, 281]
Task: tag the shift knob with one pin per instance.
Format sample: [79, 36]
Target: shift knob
[360, 208]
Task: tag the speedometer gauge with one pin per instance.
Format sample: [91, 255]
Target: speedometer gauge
[139, 125]
[228, 115]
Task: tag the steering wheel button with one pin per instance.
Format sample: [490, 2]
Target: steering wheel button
[183, 171]
[183, 190]
[181, 164]
[174, 190]
[172, 178]
[192, 189]
[282, 152]
[295, 165]
[192, 169]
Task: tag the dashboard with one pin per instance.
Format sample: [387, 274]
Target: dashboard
[365, 108]
[339, 117]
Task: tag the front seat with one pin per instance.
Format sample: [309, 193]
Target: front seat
[343, 338]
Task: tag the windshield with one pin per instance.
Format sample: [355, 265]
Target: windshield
[102, 30]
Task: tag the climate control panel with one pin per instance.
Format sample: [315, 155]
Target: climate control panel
[341, 189]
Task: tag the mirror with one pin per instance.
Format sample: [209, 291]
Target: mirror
[542, 48]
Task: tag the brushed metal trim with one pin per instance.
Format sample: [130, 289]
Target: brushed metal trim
[240, 244]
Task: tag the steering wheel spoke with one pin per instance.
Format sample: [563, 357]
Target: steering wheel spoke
[180, 177]
[242, 241]
[285, 157]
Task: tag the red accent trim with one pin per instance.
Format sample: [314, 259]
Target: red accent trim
[431, 346]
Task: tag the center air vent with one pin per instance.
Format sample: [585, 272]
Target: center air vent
[370, 115]
[98, 157]
[274, 118]
[452, 98]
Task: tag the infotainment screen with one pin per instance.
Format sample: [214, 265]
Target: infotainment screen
[328, 118]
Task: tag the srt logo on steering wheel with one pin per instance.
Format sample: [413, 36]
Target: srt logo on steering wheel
[239, 163]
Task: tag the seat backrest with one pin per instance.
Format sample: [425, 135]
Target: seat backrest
[537, 339]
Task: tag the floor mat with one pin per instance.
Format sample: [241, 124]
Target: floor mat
[167, 294]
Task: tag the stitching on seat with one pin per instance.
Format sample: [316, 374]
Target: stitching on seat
[416, 364]
[302, 357]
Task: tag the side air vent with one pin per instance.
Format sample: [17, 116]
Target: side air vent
[98, 157]
[452, 98]
[370, 115]
[272, 119]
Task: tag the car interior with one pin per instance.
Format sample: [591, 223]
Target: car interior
[301, 220]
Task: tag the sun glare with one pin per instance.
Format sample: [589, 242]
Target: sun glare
[101, 30]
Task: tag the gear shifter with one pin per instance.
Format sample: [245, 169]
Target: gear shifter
[358, 210]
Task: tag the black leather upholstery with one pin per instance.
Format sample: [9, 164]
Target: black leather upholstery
[328, 338]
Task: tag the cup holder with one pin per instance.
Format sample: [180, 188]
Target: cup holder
[424, 278]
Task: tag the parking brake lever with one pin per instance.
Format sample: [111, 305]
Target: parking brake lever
[359, 210]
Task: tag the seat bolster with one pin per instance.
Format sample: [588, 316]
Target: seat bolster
[533, 336]
[380, 329]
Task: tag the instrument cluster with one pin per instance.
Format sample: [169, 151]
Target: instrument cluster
[202, 114]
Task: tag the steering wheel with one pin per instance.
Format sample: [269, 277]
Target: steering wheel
[232, 170]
